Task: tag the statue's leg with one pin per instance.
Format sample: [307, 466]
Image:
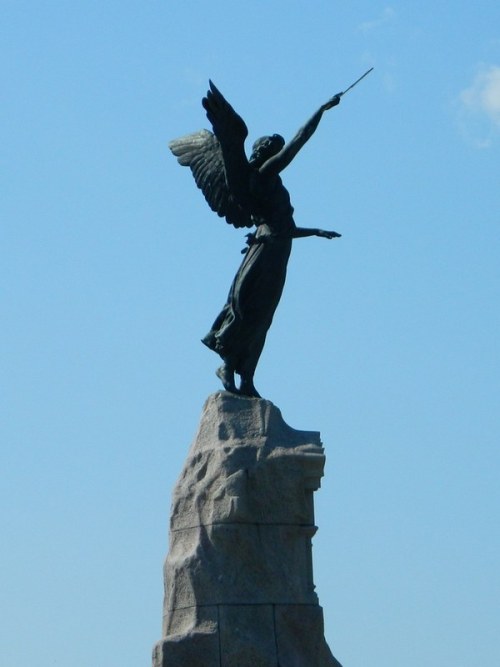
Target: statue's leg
[247, 387]
[246, 370]
[226, 375]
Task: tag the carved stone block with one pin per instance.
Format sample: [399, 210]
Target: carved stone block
[239, 585]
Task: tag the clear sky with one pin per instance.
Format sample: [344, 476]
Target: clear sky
[386, 340]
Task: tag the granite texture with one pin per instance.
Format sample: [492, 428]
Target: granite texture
[238, 576]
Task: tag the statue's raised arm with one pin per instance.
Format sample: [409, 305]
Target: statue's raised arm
[280, 161]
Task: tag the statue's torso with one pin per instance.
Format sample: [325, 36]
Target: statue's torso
[272, 211]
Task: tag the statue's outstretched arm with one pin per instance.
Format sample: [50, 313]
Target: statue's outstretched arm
[278, 162]
[302, 232]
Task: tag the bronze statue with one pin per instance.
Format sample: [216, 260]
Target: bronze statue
[247, 192]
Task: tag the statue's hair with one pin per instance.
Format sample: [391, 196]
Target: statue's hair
[261, 140]
[257, 145]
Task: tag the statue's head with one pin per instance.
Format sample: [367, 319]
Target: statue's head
[266, 147]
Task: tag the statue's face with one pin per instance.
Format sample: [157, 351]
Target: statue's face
[266, 147]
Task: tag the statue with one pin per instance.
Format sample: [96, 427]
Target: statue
[248, 193]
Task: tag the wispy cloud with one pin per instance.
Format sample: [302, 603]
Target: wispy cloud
[483, 96]
[386, 17]
[480, 106]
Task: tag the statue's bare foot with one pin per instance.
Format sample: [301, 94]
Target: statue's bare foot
[247, 389]
[226, 376]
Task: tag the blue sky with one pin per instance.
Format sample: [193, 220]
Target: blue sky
[386, 340]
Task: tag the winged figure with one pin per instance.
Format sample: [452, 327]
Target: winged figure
[247, 192]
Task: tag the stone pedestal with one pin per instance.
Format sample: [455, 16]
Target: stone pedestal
[239, 588]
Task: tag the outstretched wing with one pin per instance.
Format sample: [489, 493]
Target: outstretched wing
[202, 152]
[231, 131]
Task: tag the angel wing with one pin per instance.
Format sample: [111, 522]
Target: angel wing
[218, 161]
[202, 152]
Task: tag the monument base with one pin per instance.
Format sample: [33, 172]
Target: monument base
[239, 589]
[249, 636]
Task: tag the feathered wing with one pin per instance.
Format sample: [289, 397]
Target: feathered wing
[201, 151]
[218, 161]
[231, 131]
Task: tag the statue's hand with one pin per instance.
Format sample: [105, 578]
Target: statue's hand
[328, 235]
[332, 102]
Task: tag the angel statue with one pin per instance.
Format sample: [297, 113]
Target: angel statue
[248, 193]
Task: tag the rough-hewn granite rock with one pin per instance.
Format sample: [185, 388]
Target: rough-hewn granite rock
[239, 588]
